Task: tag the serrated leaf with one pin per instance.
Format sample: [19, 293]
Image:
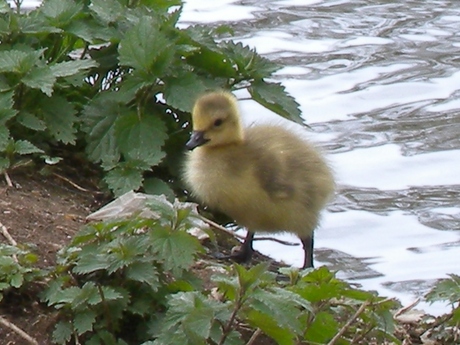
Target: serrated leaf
[176, 249]
[93, 32]
[124, 178]
[141, 137]
[6, 107]
[84, 321]
[250, 64]
[68, 68]
[143, 272]
[24, 147]
[209, 56]
[90, 263]
[111, 294]
[16, 280]
[146, 48]
[100, 118]
[190, 313]
[322, 329]
[155, 186]
[35, 23]
[181, 92]
[31, 121]
[60, 119]
[41, 78]
[88, 294]
[61, 12]
[274, 97]
[17, 61]
[5, 7]
[109, 11]
[281, 305]
[4, 137]
[63, 332]
[271, 328]
[445, 290]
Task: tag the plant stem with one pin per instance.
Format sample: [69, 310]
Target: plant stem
[349, 322]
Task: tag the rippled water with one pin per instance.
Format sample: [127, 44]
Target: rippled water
[379, 83]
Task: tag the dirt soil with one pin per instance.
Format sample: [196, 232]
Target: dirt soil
[45, 212]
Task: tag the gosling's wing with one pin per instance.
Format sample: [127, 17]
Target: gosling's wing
[272, 172]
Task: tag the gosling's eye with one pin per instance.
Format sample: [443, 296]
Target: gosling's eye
[218, 122]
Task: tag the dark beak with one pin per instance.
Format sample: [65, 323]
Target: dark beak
[196, 139]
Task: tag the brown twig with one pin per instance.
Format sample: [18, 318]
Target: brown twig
[19, 331]
[73, 184]
[8, 179]
[241, 237]
[7, 235]
[349, 322]
[254, 336]
[407, 308]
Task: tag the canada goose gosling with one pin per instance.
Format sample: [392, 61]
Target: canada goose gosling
[264, 177]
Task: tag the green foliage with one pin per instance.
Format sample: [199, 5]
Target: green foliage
[117, 80]
[288, 314]
[118, 275]
[446, 326]
[17, 269]
[131, 281]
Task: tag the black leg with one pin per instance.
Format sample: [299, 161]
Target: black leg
[244, 253]
[308, 249]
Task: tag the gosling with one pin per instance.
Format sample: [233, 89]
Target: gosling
[264, 177]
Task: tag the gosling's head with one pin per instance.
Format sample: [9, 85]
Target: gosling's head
[216, 121]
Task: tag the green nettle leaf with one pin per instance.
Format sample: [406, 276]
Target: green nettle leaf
[141, 137]
[322, 329]
[6, 107]
[68, 68]
[155, 186]
[63, 332]
[41, 78]
[146, 48]
[190, 314]
[35, 24]
[84, 321]
[446, 290]
[176, 249]
[5, 7]
[143, 272]
[274, 97]
[279, 306]
[124, 178]
[109, 11]
[17, 61]
[30, 121]
[249, 63]
[24, 147]
[17, 280]
[4, 138]
[91, 262]
[270, 327]
[61, 12]
[100, 118]
[60, 119]
[181, 92]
